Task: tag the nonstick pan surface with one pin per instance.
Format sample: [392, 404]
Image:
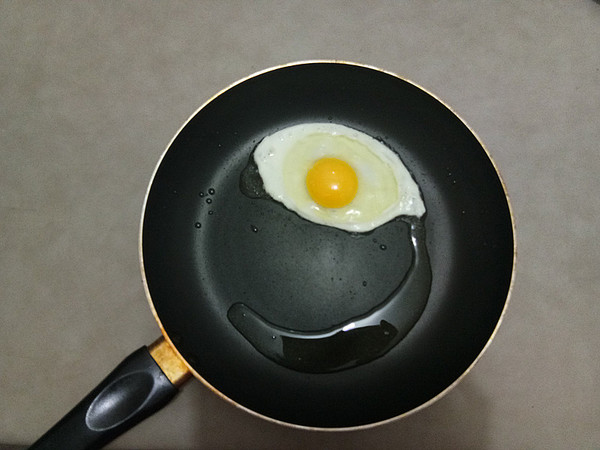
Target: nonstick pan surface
[205, 246]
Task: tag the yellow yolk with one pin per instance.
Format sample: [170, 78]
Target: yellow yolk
[332, 183]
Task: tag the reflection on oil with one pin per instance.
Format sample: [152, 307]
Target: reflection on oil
[353, 342]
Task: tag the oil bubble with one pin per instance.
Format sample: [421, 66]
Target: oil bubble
[209, 200]
[201, 194]
[383, 247]
[254, 229]
[198, 225]
[211, 212]
[211, 191]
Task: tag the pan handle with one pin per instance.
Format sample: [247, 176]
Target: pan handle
[136, 389]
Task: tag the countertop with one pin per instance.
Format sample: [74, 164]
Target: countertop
[91, 93]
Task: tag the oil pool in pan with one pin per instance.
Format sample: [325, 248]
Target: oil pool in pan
[355, 341]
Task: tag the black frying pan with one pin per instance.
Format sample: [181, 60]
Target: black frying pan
[210, 252]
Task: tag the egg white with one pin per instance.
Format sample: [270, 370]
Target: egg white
[386, 188]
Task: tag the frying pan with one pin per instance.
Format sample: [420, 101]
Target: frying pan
[225, 272]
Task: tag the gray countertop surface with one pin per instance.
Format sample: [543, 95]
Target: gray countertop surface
[91, 93]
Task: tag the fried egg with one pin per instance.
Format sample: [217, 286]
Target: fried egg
[337, 176]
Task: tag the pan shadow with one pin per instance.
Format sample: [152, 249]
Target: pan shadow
[458, 420]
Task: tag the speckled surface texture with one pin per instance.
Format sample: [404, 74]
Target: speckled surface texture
[92, 92]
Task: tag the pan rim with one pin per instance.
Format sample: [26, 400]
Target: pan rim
[198, 376]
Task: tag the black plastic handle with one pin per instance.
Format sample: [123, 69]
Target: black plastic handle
[136, 389]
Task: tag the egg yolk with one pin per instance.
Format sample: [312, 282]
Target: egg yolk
[332, 183]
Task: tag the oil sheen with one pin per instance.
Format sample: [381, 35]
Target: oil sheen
[357, 340]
